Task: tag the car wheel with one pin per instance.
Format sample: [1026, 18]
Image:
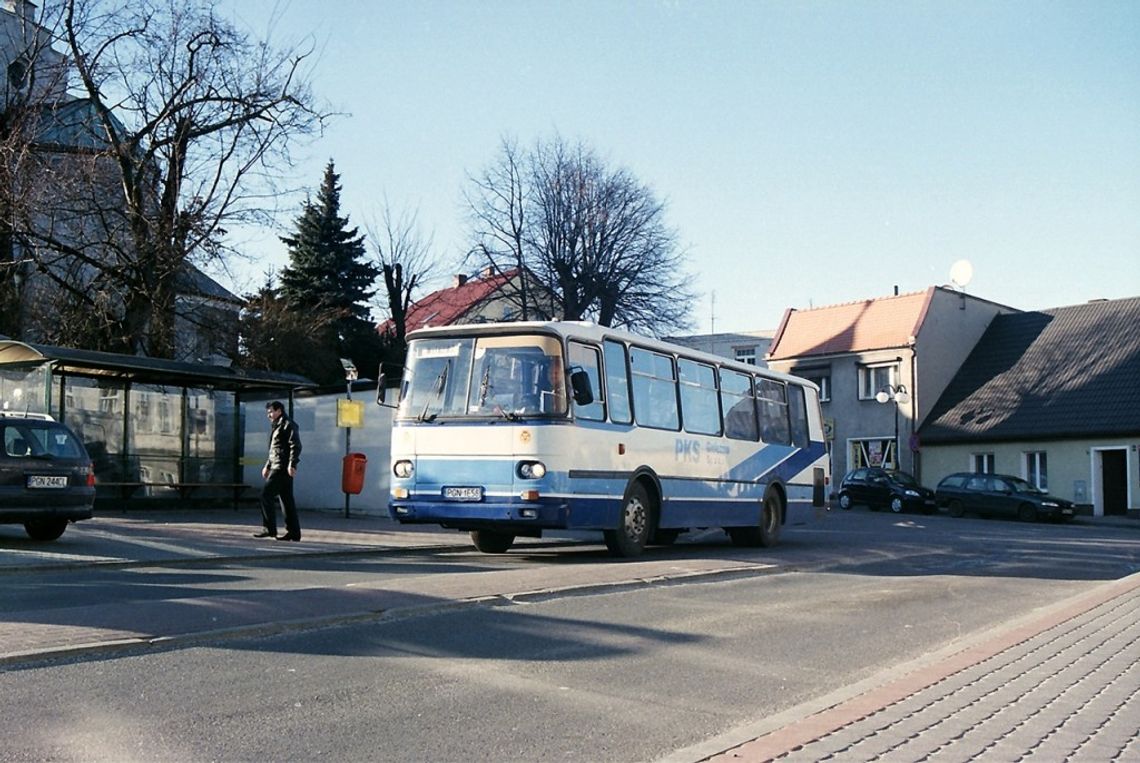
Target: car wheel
[896, 505]
[957, 509]
[1027, 512]
[45, 529]
[845, 501]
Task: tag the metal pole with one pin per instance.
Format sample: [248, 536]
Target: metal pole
[897, 459]
[347, 444]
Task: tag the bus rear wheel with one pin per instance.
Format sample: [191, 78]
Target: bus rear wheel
[632, 534]
[492, 541]
[767, 533]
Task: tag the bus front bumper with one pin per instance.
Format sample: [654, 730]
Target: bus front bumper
[513, 514]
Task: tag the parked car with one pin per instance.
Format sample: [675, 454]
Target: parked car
[1000, 494]
[46, 476]
[885, 488]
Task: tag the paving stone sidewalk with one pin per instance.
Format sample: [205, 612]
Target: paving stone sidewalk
[1062, 686]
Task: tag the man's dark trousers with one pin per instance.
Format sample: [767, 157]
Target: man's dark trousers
[279, 486]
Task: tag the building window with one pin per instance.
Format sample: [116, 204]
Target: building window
[874, 378]
[877, 452]
[823, 381]
[820, 377]
[982, 462]
[1037, 469]
[108, 400]
[745, 355]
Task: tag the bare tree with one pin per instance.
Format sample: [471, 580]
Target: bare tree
[498, 205]
[182, 123]
[594, 238]
[403, 255]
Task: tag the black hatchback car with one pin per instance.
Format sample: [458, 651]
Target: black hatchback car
[46, 477]
[885, 488]
[1000, 494]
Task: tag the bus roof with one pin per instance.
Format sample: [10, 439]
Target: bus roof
[595, 333]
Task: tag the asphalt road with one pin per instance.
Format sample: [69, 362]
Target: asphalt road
[542, 653]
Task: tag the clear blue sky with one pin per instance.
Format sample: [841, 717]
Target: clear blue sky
[810, 152]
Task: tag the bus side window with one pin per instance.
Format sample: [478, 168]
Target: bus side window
[617, 383]
[654, 389]
[588, 359]
[797, 409]
[698, 397]
[739, 406]
[774, 427]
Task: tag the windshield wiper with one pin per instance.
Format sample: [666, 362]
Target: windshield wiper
[485, 385]
[437, 393]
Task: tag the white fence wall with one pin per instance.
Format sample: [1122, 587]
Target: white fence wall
[318, 481]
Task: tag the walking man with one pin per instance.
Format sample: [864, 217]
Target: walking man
[278, 472]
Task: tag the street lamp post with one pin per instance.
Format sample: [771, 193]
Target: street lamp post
[899, 395]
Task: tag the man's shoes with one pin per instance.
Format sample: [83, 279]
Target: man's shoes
[264, 534]
[287, 536]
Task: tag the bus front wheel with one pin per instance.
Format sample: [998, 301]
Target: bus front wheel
[632, 534]
[492, 541]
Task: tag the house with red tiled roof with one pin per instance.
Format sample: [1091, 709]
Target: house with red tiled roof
[484, 298]
[881, 365]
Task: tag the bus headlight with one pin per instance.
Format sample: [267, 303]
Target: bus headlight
[403, 469]
[531, 470]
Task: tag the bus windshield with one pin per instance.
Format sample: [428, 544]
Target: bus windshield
[504, 377]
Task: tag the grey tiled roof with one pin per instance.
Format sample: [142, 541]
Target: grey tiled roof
[1061, 373]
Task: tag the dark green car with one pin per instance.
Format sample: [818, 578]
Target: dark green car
[46, 476]
[1000, 494]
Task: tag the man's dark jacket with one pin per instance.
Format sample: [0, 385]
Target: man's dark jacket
[284, 445]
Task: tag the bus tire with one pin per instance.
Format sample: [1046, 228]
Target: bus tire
[767, 533]
[492, 541]
[632, 534]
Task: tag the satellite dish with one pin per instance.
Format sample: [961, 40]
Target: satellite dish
[961, 272]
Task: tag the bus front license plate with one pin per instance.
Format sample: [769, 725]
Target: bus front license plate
[463, 493]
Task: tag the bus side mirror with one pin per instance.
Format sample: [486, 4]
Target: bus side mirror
[381, 378]
[580, 385]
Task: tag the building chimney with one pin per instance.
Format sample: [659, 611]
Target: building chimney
[458, 281]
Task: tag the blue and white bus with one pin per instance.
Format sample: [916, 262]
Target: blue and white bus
[510, 429]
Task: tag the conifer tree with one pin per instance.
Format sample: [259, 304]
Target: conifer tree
[328, 275]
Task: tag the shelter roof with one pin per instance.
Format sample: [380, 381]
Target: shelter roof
[1064, 372]
[144, 370]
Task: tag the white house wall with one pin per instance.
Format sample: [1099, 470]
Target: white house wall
[318, 482]
[1073, 469]
[954, 324]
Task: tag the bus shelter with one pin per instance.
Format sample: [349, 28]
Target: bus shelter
[155, 429]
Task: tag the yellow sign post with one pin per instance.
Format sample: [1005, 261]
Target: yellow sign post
[350, 414]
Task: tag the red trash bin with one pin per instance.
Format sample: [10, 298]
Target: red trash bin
[352, 473]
